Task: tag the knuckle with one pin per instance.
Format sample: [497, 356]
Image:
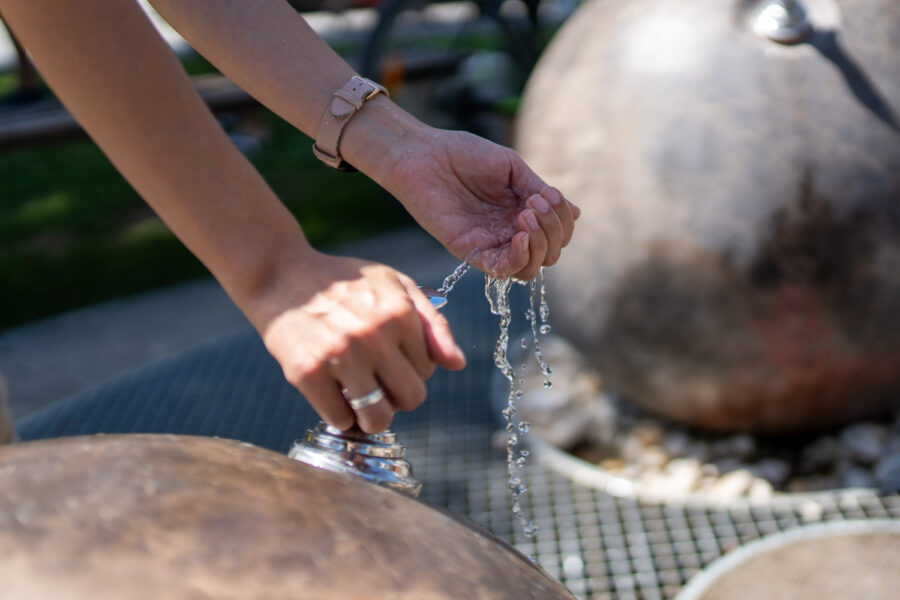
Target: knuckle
[298, 373]
[399, 313]
[412, 397]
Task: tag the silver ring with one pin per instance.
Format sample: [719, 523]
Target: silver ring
[370, 399]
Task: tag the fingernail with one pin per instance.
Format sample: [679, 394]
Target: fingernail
[552, 195]
[540, 204]
[531, 220]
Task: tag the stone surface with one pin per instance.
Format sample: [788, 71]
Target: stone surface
[157, 516]
[737, 262]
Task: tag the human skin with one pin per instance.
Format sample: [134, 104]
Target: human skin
[332, 323]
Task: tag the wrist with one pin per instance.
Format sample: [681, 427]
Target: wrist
[381, 136]
[266, 265]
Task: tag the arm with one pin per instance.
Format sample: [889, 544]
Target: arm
[331, 323]
[479, 199]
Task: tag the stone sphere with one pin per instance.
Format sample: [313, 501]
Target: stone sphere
[181, 517]
[737, 264]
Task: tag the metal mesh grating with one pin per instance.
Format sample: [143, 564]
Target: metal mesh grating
[597, 545]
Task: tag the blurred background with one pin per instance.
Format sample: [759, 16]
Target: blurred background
[72, 232]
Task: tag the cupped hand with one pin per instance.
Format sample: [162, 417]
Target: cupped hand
[342, 327]
[484, 204]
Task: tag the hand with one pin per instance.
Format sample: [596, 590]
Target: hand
[338, 324]
[484, 204]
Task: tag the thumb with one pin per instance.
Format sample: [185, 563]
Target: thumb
[438, 338]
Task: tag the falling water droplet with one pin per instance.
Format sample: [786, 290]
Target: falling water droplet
[451, 280]
[524, 427]
[545, 329]
[548, 384]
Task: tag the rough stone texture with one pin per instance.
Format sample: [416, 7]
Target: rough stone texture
[161, 516]
[666, 461]
[737, 264]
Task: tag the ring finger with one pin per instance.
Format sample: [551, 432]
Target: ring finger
[374, 412]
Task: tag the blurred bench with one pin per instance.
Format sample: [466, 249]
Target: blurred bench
[47, 121]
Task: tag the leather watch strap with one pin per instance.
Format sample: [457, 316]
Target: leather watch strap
[346, 102]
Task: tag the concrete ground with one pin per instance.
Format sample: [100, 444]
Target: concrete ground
[47, 360]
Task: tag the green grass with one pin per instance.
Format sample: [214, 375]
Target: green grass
[73, 232]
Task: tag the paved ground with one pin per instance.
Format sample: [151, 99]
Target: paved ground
[50, 359]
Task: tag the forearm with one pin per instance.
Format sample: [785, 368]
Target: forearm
[268, 49]
[110, 68]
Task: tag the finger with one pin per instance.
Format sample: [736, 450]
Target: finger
[564, 212]
[537, 244]
[550, 225]
[441, 347]
[408, 329]
[575, 210]
[374, 418]
[325, 396]
[519, 253]
[401, 382]
[421, 361]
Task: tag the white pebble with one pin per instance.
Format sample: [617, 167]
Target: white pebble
[732, 485]
[682, 475]
[761, 490]
[573, 566]
[811, 512]
[653, 458]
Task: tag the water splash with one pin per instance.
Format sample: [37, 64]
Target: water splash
[453, 278]
[544, 307]
[497, 292]
[538, 295]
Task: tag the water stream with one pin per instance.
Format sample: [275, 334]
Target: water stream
[497, 292]
[537, 314]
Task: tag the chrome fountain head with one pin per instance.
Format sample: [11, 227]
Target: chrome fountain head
[782, 21]
[377, 457]
[437, 298]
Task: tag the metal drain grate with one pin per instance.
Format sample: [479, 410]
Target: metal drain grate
[598, 546]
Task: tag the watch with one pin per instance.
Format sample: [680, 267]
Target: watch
[345, 103]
